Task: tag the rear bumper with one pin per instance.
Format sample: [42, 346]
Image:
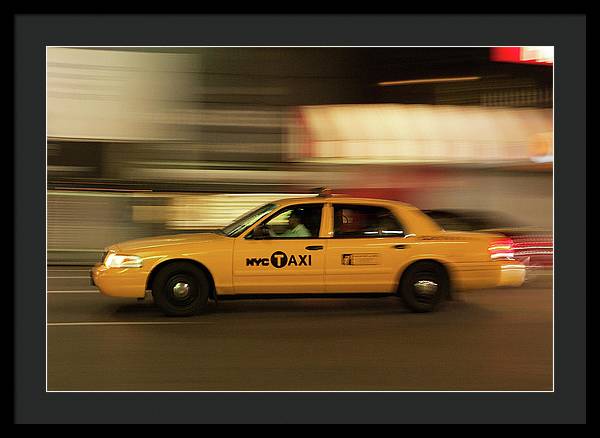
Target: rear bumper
[489, 275]
[538, 273]
[512, 275]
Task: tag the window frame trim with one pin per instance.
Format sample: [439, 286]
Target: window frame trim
[282, 209]
[379, 235]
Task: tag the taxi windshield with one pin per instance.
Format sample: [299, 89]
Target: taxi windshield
[241, 224]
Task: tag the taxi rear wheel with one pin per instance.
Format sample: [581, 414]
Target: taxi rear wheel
[181, 289]
[424, 286]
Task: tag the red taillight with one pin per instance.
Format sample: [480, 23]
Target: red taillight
[533, 245]
[501, 249]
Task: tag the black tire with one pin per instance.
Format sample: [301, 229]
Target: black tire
[424, 286]
[181, 289]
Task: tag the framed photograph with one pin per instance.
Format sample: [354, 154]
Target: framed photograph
[300, 219]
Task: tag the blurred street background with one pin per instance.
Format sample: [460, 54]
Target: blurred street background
[148, 141]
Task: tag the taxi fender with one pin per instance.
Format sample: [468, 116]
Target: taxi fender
[203, 263]
[446, 263]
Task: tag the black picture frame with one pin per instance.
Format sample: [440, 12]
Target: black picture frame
[33, 33]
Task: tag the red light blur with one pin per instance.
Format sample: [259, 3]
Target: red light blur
[501, 249]
[523, 55]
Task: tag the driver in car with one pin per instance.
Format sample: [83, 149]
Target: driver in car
[296, 227]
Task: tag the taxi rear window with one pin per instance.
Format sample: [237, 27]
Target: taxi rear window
[365, 221]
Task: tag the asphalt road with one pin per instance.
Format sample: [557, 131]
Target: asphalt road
[497, 339]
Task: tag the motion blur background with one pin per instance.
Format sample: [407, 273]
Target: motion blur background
[148, 141]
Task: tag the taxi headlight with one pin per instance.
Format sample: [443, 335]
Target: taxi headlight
[114, 260]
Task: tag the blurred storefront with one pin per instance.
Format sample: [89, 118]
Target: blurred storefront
[153, 140]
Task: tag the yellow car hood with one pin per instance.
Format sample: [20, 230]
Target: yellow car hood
[150, 244]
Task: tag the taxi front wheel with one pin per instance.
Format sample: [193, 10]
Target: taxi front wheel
[424, 285]
[180, 289]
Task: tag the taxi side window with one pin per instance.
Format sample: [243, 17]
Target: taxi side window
[365, 221]
[302, 221]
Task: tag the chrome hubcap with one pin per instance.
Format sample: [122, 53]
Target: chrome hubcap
[426, 287]
[181, 290]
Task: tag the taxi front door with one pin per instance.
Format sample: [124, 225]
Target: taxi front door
[279, 265]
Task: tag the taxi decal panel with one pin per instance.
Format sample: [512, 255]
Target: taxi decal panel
[360, 259]
[280, 259]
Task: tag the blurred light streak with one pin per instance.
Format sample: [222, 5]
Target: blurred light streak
[543, 55]
[209, 211]
[428, 81]
[422, 133]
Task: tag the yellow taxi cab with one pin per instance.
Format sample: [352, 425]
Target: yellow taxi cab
[318, 245]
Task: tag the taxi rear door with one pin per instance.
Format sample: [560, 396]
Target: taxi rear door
[368, 244]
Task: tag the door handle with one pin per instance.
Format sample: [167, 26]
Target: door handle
[401, 246]
[314, 247]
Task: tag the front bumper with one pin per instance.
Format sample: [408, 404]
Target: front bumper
[92, 283]
[119, 282]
